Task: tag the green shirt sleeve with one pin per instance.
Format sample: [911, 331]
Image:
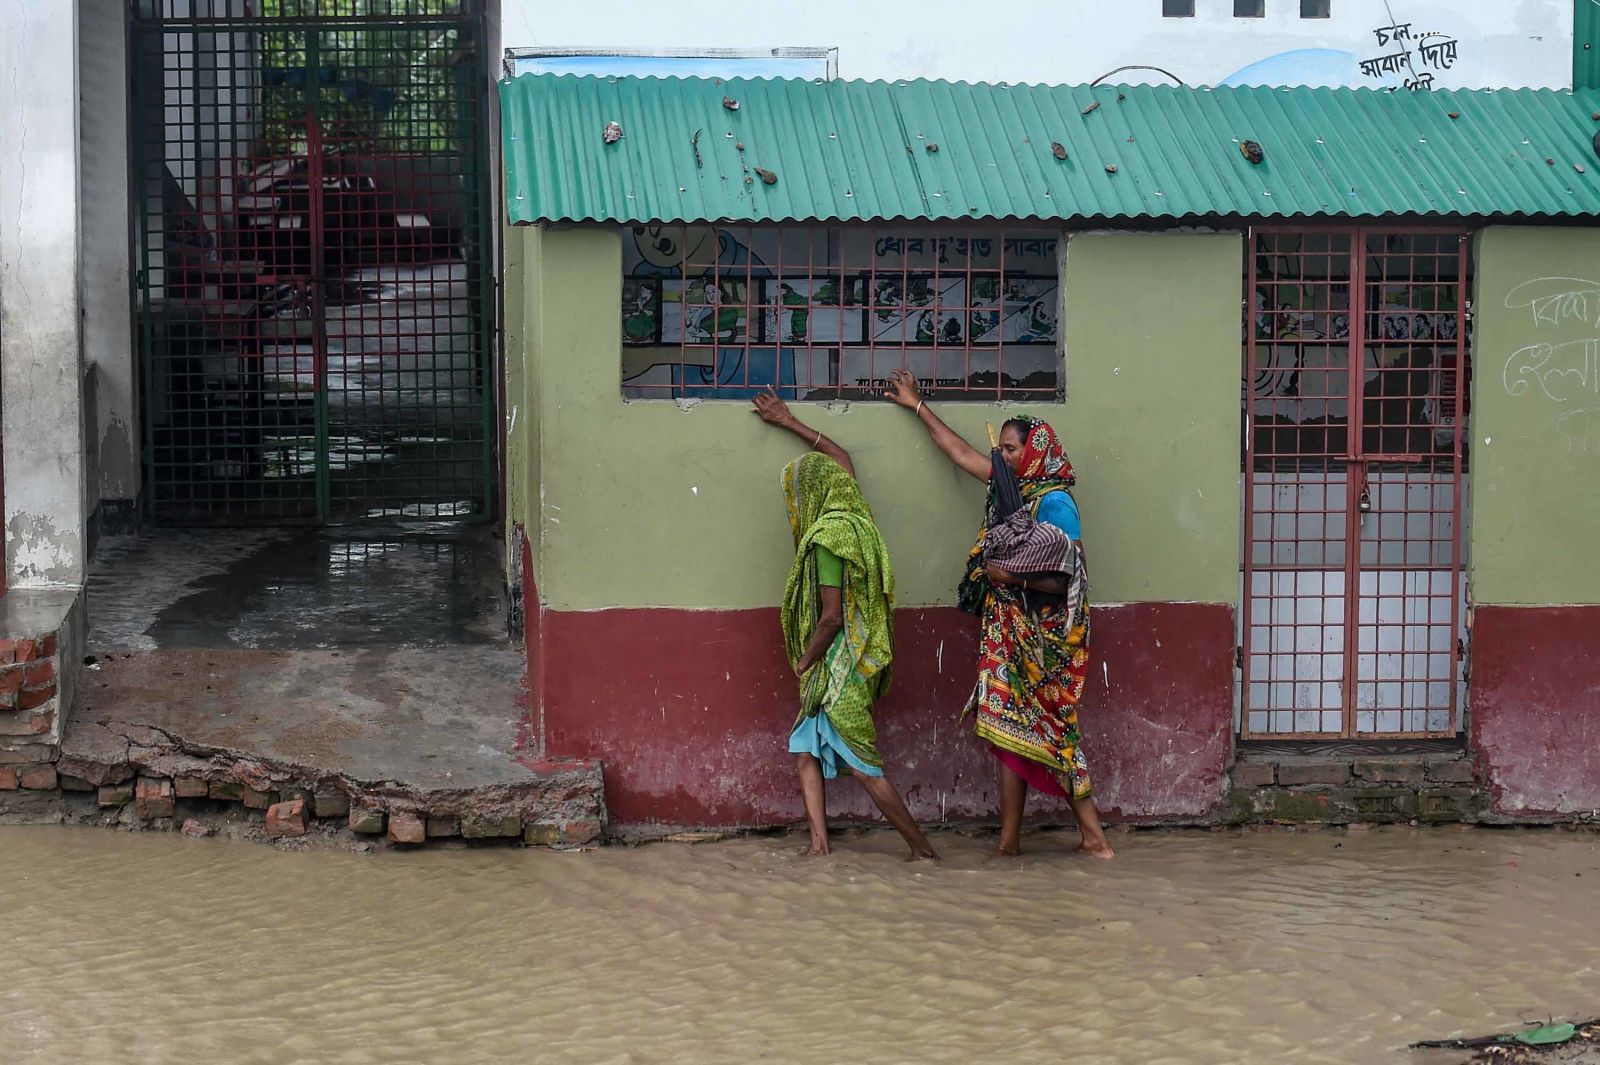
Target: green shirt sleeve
[830, 568]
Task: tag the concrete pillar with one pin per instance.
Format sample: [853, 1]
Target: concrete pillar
[113, 429]
[41, 333]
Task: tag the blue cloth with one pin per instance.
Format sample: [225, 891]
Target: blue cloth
[1061, 510]
[816, 736]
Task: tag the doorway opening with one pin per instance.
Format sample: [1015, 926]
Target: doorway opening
[311, 259]
[1355, 472]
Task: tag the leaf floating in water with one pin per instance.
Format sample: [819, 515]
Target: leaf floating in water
[1546, 1035]
[767, 177]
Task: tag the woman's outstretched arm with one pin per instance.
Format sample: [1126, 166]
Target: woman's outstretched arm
[903, 391]
[774, 411]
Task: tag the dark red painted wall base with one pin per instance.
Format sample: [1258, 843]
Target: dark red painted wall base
[1535, 705]
[690, 712]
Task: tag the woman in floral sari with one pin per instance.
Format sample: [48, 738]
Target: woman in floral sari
[838, 629]
[1034, 653]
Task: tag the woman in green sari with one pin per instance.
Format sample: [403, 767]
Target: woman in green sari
[838, 629]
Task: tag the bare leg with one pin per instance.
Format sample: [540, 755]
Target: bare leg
[811, 793]
[887, 796]
[1094, 836]
[1013, 797]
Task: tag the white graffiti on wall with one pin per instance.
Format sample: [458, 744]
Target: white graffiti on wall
[1565, 372]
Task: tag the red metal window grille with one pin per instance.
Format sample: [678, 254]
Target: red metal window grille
[819, 312]
[1354, 394]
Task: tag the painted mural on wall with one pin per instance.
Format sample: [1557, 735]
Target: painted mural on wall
[724, 312]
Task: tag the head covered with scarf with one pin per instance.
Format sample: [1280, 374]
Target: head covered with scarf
[827, 509]
[1043, 462]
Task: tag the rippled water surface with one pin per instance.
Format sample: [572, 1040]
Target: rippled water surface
[1261, 947]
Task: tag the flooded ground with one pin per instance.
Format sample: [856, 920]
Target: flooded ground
[1190, 947]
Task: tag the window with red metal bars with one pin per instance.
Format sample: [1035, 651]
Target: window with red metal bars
[827, 312]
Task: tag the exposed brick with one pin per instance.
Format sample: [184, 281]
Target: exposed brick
[1458, 771]
[1297, 773]
[115, 794]
[366, 821]
[1300, 806]
[1449, 804]
[194, 828]
[11, 678]
[33, 698]
[1253, 775]
[8, 778]
[571, 834]
[330, 802]
[18, 650]
[1391, 772]
[69, 783]
[225, 790]
[443, 826]
[1380, 805]
[153, 798]
[286, 819]
[40, 674]
[577, 833]
[26, 723]
[253, 799]
[490, 827]
[26, 752]
[406, 827]
[190, 787]
[540, 834]
[38, 777]
[47, 646]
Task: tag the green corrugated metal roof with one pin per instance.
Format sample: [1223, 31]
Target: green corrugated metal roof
[854, 150]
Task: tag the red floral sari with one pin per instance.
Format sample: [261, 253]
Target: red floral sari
[1034, 654]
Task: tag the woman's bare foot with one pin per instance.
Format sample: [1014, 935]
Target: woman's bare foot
[924, 854]
[1100, 848]
[816, 850]
[1006, 850]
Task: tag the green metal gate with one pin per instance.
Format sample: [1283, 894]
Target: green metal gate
[310, 259]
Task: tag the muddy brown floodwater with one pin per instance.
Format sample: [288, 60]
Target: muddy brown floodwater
[1190, 947]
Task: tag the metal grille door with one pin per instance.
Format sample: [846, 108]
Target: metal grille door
[1356, 346]
[310, 258]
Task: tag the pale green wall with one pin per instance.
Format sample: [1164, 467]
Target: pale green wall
[647, 504]
[518, 440]
[1535, 416]
[1153, 369]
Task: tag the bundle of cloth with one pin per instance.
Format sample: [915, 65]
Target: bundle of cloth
[1015, 540]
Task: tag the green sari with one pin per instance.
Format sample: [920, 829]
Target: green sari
[826, 509]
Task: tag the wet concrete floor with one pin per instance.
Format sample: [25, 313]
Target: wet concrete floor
[308, 589]
[376, 652]
[1328, 947]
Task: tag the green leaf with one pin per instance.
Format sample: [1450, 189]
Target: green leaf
[1546, 1035]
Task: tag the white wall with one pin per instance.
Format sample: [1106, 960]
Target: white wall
[107, 341]
[1501, 42]
[41, 375]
